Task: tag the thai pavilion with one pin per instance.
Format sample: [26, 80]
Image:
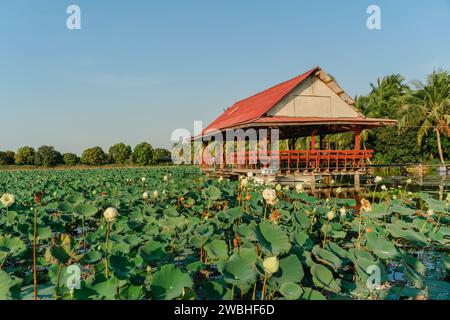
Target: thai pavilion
[310, 105]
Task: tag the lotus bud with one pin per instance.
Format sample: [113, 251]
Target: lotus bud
[278, 187]
[143, 179]
[330, 215]
[145, 195]
[166, 178]
[339, 190]
[286, 188]
[155, 194]
[220, 179]
[409, 181]
[110, 214]
[332, 182]
[271, 265]
[244, 182]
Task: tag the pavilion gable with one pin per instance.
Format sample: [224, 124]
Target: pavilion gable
[318, 96]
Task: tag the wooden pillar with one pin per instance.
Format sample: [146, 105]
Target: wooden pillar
[357, 140]
[313, 140]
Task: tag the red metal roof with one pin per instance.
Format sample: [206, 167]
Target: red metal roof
[256, 106]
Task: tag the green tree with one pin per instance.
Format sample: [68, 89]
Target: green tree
[428, 108]
[94, 157]
[143, 154]
[25, 156]
[384, 99]
[120, 153]
[161, 155]
[71, 159]
[6, 158]
[47, 156]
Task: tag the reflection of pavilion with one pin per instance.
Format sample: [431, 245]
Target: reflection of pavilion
[310, 105]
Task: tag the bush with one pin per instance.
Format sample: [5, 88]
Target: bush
[94, 157]
[161, 155]
[143, 154]
[71, 159]
[25, 156]
[120, 153]
[47, 156]
[7, 158]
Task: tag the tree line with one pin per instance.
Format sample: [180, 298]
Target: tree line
[46, 156]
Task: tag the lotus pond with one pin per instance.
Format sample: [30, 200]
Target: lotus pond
[181, 235]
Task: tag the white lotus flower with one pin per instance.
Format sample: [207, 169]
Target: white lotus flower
[430, 212]
[220, 179]
[330, 215]
[110, 214]
[145, 195]
[343, 212]
[270, 196]
[271, 265]
[143, 179]
[378, 179]
[332, 181]
[409, 181]
[166, 178]
[250, 174]
[299, 188]
[155, 194]
[244, 182]
[339, 190]
[7, 200]
[278, 187]
[383, 187]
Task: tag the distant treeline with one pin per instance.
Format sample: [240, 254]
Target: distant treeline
[46, 156]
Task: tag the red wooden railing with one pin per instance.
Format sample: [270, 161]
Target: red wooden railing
[297, 160]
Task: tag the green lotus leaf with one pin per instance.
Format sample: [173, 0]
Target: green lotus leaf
[152, 251]
[217, 250]
[323, 278]
[381, 247]
[105, 289]
[211, 193]
[291, 291]
[9, 286]
[91, 257]
[291, 270]
[238, 271]
[169, 282]
[272, 239]
[311, 294]
[327, 257]
[11, 246]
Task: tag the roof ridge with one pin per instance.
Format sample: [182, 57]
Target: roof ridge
[276, 85]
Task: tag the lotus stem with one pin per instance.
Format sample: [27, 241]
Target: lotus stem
[34, 254]
[7, 216]
[263, 293]
[108, 230]
[254, 292]
[265, 212]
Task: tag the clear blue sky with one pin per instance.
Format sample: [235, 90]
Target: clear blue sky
[139, 69]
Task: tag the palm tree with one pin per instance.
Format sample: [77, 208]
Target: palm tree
[428, 108]
[384, 98]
